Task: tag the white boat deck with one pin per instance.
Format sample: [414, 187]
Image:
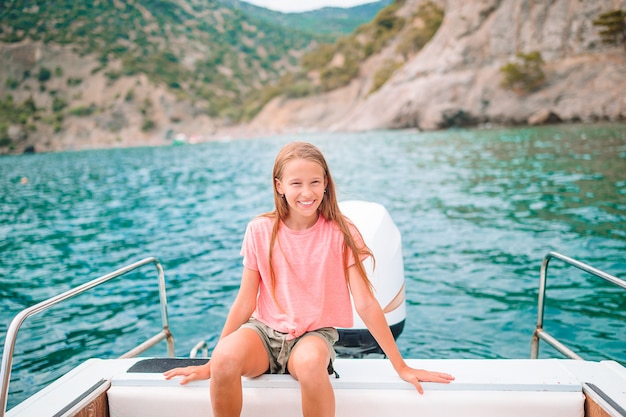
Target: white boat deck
[366, 387]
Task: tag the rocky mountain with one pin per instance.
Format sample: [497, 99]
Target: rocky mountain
[457, 78]
[128, 73]
[135, 72]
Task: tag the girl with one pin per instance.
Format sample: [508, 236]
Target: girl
[301, 263]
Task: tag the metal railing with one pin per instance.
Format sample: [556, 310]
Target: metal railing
[11, 336]
[540, 333]
[200, 346]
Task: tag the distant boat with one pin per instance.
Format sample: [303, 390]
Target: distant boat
[179, 139]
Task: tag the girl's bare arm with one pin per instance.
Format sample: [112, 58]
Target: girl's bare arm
[372, 315]
[245, 303]
[239, 313]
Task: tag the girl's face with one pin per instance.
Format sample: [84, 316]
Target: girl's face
[303, 184]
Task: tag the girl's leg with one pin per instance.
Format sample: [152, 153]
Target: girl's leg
[308, 364]
[239, 354]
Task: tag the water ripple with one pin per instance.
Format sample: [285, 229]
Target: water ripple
[477, 209]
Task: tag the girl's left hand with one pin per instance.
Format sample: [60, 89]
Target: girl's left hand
[415, 376]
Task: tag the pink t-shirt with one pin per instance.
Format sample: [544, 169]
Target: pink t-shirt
[310, 283]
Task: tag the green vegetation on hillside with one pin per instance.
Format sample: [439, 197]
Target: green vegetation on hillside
[331, 66]
[383, 74]
[614, 24]
[216, 54]
[339, 63]
[15, 113]
[329, 22]
[525, 74]
[232, 52]
[430, 17]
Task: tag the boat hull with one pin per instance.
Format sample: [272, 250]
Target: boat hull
[366, 387]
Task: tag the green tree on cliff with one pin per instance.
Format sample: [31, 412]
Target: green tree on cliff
[525, 74]
[614, 23]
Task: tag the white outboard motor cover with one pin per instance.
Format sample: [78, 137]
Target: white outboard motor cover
[382, 236]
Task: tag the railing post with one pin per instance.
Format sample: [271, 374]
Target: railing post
[16, 323]
[164, 316]
[543, 277]
[539, 332]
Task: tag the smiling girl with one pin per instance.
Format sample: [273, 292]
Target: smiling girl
[302, 261]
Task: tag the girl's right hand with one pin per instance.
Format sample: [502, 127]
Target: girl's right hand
[189, 373]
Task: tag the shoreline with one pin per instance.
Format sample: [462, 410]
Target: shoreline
[245, 132]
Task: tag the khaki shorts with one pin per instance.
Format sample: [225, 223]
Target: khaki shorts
[279, 348]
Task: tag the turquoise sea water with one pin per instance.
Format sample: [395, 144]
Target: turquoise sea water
[477, 209]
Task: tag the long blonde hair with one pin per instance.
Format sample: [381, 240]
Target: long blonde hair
[329, 208]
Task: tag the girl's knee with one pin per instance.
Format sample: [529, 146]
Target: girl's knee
[310, 359]
[240, 354]
[225, 362]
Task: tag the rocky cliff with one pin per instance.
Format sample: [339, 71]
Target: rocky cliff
[115, 109]
[455, 80]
